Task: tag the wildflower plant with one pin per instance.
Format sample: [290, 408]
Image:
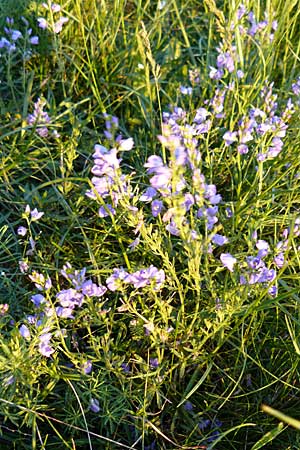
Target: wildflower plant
[149, 290]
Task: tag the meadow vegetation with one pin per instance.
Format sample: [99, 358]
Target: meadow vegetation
[150, 224]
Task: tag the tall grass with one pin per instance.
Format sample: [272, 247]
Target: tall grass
[185, 328]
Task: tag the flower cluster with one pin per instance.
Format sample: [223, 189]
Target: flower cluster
[262, 125]
[15, 36]
[51, 25]
[255, 270]
[39, 118]
[296, 87]
[150, 276]
[225, 62]
[228, 59]
[178, 190]
[30, 215]
[67, 300]
[248, 25]
[108, 180]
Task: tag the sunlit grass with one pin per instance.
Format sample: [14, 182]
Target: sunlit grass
[184, 360]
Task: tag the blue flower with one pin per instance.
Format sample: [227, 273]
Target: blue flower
[24, 332]
[44, 347]
[94, 405]
[218, 239]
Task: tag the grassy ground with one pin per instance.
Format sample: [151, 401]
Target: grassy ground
[145, 318]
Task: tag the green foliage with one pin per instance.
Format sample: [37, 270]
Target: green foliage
[169, 365]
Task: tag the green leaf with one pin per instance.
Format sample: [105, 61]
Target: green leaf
[268, 437]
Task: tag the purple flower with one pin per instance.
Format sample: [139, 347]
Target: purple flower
[162, 178]
[279, 260]
[153, 163]
[180, 156]
[145, 277]
[92, 290]
[55, 7]
[203, 127]
[70, 298]
[36, 215]
[210, 190]
[212, 211]
[148, 195]
[189, 201]
[228, 261]
[296, 87]
[230, 137]
[86, 367]
[261, 157]
[125, 367]
[64, 313]
[228, 212]
[188, 406]
[282, 245]
[76, 277]
[216, 74]
[48, 284]
[273, 291]
[275, 149]
[21, 231]
[211, 221]
[4, 43]
[42, 23]
[254, 262]
[172, 228]
[213, 436]
[218, 239]
[156, 207]
[108, 135]
[154, 363]
[100, 150]
[263, 248]
[102, 185]
[34, 40]
[94, 405]
[24, 332]
[107, 210]
[242, 149]
[225, 60]
[15, 35]
[203, 424]
[114, 282]
[201, 115]
[38, 300]
[44, 347]
[8, 381]
[263, 275]
[215, 199]
[59, 24]
[39, 117]
[24, 267]
[134, 243]
[185, 90]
